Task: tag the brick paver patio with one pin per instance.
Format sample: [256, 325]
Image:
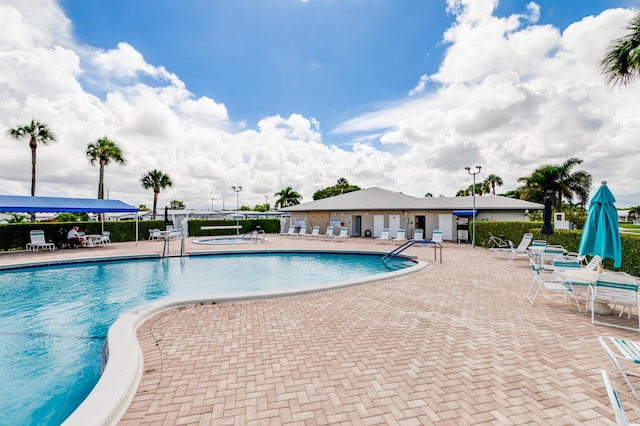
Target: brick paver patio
[456, 343]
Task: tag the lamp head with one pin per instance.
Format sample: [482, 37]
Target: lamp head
[467, 168]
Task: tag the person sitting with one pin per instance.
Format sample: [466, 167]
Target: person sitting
[73, 239]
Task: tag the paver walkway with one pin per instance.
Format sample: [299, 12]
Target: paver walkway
[454, 344]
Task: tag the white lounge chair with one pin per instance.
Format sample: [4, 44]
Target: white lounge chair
[401, 236]
[418, 234]
[436, 236]
[328, 232]
[290, 232]
[593, 263]
[315, 232]
[543, 278]
[343, 235]
[623, 353]
[522, 249]
[38, 242]
[384, 237]
[618, 410]
[302, 232]
[617, 288]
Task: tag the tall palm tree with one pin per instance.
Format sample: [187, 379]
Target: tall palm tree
[621, 63]
[104, 150]
[287, 197]
[342, 183]
[493, 181]
[156, 180]
[557, 181]
[36, 132]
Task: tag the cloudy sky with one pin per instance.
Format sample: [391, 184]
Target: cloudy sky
[398, 94]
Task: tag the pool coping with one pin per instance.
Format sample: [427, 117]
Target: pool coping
[111, 396]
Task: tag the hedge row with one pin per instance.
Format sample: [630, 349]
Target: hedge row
[569, 239]
[14, 236]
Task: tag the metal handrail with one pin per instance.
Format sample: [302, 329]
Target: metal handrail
[395, 252]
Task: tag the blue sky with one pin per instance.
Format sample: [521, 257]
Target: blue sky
[321, 58]
[399, 94]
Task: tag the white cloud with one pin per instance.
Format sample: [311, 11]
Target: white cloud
[511, 96]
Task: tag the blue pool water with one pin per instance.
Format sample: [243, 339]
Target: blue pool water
[54, 320]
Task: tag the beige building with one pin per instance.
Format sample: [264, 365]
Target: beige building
[366, 212]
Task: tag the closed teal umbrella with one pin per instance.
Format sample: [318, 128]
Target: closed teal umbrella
[601, 235]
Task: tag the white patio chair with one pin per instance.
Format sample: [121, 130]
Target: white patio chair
[522, 249]
[436, 236]
[401, 236]
[105, 239]
[384, 237]
[618, 410]
[155, 234]
[543, 278]
[38, 242]
[418, 234]
[623, 353]
[617, 288]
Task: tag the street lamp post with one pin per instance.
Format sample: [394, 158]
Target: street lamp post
[473, 212]
[237, 189]
[266, 200]
[211, 205]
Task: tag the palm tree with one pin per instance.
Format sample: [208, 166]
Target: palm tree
[36, 132]
[287, 197]
[557, 182]
[157, 180]
[493, 181]
[621, 63]
[104, 150]
[428, 195]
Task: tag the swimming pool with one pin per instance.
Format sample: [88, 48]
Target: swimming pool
[54, 320]
[227, 240]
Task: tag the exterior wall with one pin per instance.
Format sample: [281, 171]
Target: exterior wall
[320, 219]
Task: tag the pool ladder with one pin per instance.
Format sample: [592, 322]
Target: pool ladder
[258, 236]
[396, 251]
[165, 249]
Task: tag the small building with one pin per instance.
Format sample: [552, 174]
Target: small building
[367, 211]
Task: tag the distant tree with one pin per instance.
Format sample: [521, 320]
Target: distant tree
[557, 181]
[156, 180]
[35, 132]
[142, 207]
[287, 197]
[341, 187]
[621, 63]
[261, 208]
[176, 205]
[72, 217]
[428, 195]
[462, 193]
[493, 181]
[245, 208]
[514, 193]
[17, 218]
[103, 151]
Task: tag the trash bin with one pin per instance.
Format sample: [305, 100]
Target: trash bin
[463, 233]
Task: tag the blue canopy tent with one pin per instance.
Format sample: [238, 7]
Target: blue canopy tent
[23, 204]
[601, 234]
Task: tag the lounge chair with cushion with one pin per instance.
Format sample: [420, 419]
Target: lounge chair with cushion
[401, 236]
[625, 356]
[418, 234]
[384, 236]
[436, 237]
[618, 410]
[38, 242]
[522, 249]
[328, 232]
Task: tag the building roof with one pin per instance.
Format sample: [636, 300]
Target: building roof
[22, 204]
[383, 199]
